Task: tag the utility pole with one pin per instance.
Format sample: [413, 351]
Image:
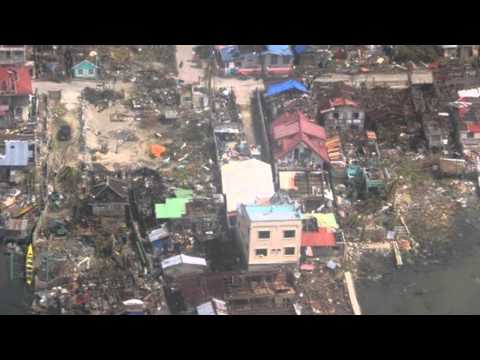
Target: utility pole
[12, 265]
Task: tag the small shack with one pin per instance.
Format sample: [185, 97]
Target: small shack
[183, 265]
[85, 70]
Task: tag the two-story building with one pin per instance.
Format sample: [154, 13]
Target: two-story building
[15, 91]
[254, 60]
[269, 234]
[277, 60]
[12, 54]
[340, 114]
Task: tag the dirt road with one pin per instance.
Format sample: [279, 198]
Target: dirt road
[242, 88]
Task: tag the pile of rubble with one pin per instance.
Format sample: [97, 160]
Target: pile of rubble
[322, 291]
[101, 97]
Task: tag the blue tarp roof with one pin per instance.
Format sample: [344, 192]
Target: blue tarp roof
[281, 87]
[279, 49]
[229, 52]
[272, 212]
[300, 49]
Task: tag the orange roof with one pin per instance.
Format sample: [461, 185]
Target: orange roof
[371, 135]
[323, 237]
[157, 150]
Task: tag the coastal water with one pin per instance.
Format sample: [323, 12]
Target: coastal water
[446, 284]
[14, 296]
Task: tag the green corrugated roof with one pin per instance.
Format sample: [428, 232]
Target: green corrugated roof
[174, 208]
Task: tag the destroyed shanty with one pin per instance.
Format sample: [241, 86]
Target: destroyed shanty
[228, 179]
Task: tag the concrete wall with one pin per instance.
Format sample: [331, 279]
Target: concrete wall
[275, 245]
[393, 80]
[108, 210]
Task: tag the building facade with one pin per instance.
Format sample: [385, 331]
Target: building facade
[269, 235]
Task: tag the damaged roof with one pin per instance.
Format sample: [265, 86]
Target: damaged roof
[117, 186]
[291, 129]
[15, 79]
[284, 86]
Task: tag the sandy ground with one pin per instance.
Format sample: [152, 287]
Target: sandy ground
[188, 72]
[99, 128]
[120, 153]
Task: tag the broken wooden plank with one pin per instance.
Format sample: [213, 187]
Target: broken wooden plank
[352, 294]
[397, 253]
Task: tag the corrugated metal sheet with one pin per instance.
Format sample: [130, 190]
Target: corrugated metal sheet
[183, 259]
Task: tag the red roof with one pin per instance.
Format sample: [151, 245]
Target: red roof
[322, 237]
[291, 129]
[15, 79]
[279, 70]
[249, 71]
[473, 127]
[342, 102]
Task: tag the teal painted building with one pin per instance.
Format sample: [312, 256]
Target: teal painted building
[85, 70]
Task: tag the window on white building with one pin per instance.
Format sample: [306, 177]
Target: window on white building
[264, 234]
[261, 252]
[289, 234]
[289, 251]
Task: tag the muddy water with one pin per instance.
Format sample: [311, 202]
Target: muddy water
[444, 283]
[13, 295]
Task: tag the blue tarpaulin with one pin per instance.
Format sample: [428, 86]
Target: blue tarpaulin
[229, 52]
[279, 49]
[281, 87]
[300, 49]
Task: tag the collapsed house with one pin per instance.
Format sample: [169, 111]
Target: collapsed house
[437, 130]
[280, 95]
[319, 234]
[253, 293]
[109, 198]
[341, 114]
